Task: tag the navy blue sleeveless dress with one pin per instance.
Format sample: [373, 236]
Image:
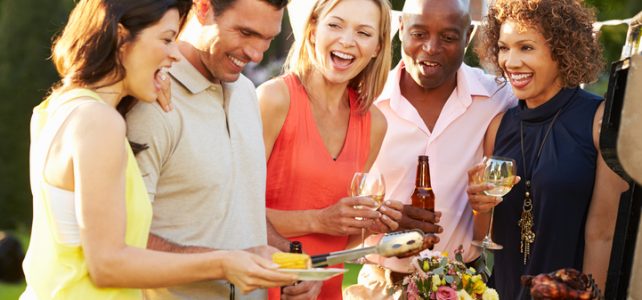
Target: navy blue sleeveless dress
[561, 187]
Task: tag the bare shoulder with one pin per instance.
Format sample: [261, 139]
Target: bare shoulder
[274, 96]
[96, 122]
[274, 104]
[494, 123]
[378, 120]
[491, 133]
[597, 125]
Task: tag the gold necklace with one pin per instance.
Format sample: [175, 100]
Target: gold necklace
[526, 221]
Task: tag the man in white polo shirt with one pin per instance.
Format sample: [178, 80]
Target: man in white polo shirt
[204, 167]
[438, 106]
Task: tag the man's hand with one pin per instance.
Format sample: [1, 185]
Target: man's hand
[419, 218]
[390, 216]
[164, 90]
[305, 290]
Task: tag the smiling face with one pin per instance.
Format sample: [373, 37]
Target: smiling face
[153, 49]
[434, 35]
[526, 60]
[242, 33]
[346, 39]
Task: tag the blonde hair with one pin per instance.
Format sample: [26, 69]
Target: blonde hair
[370, 81]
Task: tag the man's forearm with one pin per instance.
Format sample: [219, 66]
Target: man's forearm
[275, 239]
[158, 243]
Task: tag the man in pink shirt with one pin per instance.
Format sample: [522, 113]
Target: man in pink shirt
[438, 106]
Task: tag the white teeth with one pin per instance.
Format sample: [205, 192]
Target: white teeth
[342, 55]
[430, 64]
[520, 76]
[237, 61]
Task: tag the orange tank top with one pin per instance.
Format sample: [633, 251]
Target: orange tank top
[301, 173]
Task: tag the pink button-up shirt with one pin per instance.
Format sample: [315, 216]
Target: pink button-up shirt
[453, 147]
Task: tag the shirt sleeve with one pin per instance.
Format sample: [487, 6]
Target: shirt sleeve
[147, 124]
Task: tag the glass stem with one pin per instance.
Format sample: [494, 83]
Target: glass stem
[363, 237]
[490, 226]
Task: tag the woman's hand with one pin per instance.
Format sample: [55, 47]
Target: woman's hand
[390, 217]
[249, 271]
[480, 202]
[347, 217]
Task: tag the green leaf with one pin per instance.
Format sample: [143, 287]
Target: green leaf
[449, 279]
[443, 262]
[439, 271]
[458, 257]
[490, 260]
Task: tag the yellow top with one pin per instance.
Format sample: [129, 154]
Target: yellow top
[58, 271]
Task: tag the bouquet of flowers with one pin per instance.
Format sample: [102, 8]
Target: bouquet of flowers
[437, 277]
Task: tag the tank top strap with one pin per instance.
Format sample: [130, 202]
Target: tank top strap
[47, 119]
[298, 98]
[359, 128]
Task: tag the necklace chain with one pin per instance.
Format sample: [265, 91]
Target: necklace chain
[526, 221]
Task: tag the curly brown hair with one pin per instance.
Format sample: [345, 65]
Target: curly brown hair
[567, 26]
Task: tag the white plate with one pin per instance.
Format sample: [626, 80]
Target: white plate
[315, 274]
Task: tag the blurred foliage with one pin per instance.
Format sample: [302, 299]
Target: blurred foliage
[26, 30]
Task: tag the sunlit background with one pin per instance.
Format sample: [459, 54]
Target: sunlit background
[26, 30]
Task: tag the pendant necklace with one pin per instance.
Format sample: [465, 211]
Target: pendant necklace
[526, 221]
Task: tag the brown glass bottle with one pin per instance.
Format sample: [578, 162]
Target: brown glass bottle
[423, 197]
[295, 247]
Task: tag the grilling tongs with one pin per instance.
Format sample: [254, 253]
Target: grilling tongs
[391, 244]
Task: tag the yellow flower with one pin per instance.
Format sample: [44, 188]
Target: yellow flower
[436, 282]
[490, 294]
[462, 295]
[465, 279]
[479, 287]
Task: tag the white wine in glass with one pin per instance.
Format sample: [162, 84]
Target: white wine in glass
[500, 172]
[368, 185]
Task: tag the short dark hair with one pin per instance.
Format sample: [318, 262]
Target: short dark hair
[220, 6]
[87, 50]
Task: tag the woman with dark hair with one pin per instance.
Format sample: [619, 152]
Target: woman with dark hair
[91, 211]
[562, 213]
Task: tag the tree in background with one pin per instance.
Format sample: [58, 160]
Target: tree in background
[26, 28]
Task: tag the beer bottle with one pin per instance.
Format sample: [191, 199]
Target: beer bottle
[295, 247]
[423, 197]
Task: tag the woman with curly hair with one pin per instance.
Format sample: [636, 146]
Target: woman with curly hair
[562, 213]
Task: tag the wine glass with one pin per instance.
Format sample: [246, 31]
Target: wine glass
[370, 185]
[500, 172]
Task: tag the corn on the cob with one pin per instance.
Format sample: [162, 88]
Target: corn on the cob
[291, 260]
